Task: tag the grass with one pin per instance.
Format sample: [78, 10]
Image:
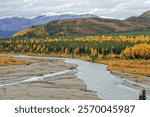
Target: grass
[130, 66]
[8, 60]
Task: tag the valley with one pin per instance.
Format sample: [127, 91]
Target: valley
[123, 45]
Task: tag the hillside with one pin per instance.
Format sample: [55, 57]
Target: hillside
[80, 26]
[9, 26]
[88, 26]
[144, 19]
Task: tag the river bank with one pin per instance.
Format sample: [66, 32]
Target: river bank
[136, 71]
[16, 83]
[105, 83]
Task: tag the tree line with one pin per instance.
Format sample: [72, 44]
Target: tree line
[92, 47]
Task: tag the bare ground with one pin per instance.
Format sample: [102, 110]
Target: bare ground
[136, 81]
[59, 87]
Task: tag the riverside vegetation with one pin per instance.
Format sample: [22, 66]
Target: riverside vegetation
[128, 53]
[122, 44]
[8, 60]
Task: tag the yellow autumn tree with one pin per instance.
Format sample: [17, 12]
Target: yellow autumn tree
[137, 51]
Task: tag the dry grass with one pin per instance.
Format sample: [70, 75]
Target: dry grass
[130, 66]
[8, 60]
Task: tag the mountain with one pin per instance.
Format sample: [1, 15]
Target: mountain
[9, 26]
[74, 25]
[79, 26]
[143, 19]
[5, 34]
[142, 22]
[45, 19]
[146, 14]
[87, 26]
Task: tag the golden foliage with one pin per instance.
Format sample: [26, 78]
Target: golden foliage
[120, 38]
[130, 66]
[111, 56]
[91, 48]
[8, 60]
[23, 32]
[137, 51]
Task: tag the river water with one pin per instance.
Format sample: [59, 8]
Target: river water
[98, 79]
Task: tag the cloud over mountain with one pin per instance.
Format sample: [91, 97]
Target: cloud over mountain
[108, 8]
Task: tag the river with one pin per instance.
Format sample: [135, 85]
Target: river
[97, 78]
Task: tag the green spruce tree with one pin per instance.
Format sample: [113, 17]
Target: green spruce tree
[142, 95]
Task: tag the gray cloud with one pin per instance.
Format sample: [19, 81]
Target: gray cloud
[105, 8]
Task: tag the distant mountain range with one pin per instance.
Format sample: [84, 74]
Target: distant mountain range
[9, 26]
[88, 26]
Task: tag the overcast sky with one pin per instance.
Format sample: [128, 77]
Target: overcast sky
[103, 8]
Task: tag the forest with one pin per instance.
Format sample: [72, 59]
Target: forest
[91, 47]
[106, 49]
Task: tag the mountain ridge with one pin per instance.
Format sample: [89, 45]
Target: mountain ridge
[15, 24]
[9, 26]
[87, 26]
[142, 19]
[146, 14]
